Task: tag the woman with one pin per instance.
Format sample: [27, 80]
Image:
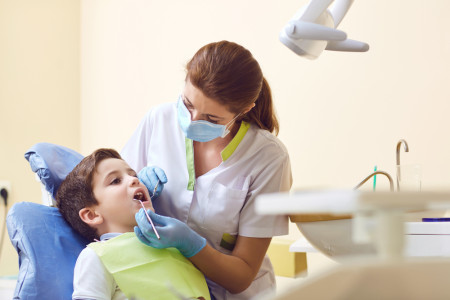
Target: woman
[217, 149]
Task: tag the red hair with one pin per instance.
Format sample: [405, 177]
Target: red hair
[228, 73]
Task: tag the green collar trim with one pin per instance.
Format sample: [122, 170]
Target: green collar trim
[226, 153]
[231, 147]
[190, 163]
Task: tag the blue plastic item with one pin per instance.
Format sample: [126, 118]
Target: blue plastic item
[154, 179]
[435, 219]
[174, 233]
[52, 163]
[48, 249]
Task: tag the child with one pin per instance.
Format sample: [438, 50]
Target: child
[98, 199]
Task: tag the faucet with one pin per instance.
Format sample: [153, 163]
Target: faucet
[391, 182]
[400, 142]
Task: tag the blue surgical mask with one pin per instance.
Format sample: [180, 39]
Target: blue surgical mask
[200, 131]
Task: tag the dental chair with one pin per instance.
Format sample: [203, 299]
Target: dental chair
[46, 244]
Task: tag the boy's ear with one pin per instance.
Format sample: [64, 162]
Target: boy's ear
[90, 216]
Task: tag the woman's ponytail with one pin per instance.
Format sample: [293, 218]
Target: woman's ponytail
[263, 114]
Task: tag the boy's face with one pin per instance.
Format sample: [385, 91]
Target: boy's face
[115, 185]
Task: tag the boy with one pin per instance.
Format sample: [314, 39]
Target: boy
[99, 199]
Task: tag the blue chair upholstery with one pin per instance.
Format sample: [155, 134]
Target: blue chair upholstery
[46, 244]
[48, 249]
[52, 163]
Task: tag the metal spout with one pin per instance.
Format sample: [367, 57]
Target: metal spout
[399, 144]
[391, 182]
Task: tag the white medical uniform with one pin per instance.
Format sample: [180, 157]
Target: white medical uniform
[220, 203]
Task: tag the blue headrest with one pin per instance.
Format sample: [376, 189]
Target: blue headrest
[52, 163]
[48, 249]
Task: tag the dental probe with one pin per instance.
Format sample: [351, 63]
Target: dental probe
[154, 190]
[149, 219]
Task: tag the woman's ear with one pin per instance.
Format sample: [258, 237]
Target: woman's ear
[90, 216]
[248, 109]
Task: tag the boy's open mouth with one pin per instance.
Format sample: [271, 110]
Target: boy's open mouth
[140, 196]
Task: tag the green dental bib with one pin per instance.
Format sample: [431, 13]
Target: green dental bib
[144, 272]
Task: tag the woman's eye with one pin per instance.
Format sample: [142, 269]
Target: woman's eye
[211, 120]
[188, 105]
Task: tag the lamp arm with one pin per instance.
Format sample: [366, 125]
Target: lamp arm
[314, 9]
[347, 46]
[312, 31]
[339, 9]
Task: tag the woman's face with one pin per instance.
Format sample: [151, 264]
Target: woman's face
[204, 108]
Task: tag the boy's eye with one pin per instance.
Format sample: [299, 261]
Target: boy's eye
[115, 181]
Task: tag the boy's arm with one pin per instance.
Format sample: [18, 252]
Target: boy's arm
[91, 280]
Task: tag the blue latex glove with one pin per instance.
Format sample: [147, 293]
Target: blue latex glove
[173, 233]
[150, 176]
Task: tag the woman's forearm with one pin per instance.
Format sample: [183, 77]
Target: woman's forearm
[234, 272]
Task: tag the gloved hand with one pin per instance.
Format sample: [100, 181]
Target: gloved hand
[150, 176]
[173, 233]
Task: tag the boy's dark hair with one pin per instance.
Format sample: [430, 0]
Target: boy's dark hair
[75, 192]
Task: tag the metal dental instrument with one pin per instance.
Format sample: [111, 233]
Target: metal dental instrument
[145, 210]
[154, 190]
[149, 219]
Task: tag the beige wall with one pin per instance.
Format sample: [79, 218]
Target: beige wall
[39, 92]
[340, 115]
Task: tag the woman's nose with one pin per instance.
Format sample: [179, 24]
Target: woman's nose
[195, 116]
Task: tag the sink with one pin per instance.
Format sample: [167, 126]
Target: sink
[332, 235]
[325, 218]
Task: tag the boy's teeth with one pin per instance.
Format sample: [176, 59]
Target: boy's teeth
[140, 196]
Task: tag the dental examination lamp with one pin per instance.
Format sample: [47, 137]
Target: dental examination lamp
[313, 29]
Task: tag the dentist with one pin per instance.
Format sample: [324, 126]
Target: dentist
[216, 146]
